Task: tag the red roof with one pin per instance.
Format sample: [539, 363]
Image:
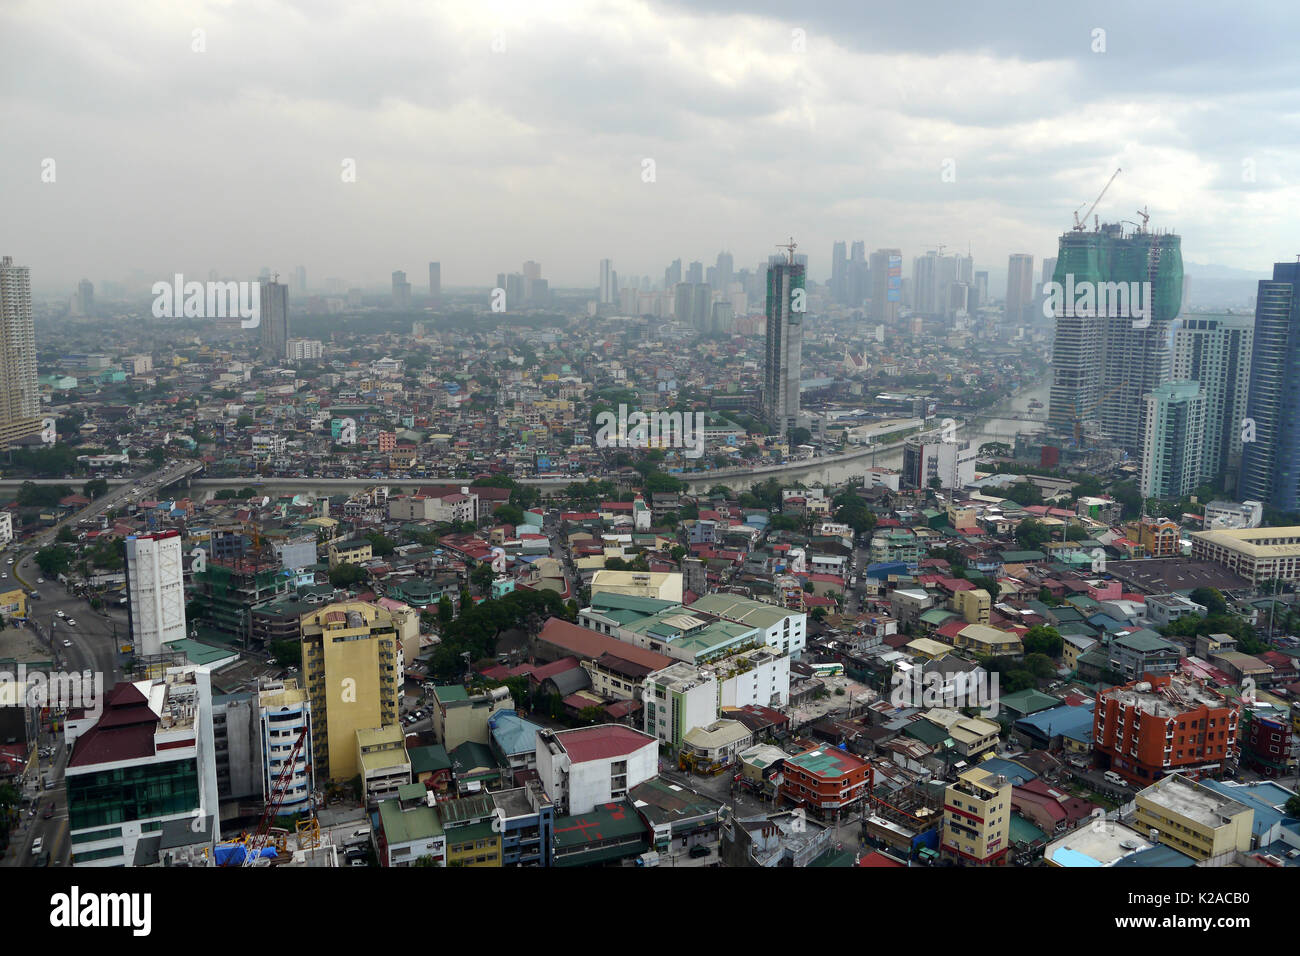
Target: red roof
[123, 732]
[603, 742]
[876, 858]
[589, 645]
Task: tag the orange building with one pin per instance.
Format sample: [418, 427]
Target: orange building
[1164, 724]
[825, 779]
[1158, 538]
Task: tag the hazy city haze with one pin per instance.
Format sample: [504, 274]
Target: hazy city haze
[487, 134]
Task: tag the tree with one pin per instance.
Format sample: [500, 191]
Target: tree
[1030, 533]
[592, 715]
[1211, 599]
[380, 544]
[1044, 640]
[1076, 533]
[1292, 806]
[95, 487]
[346, 575]
[509, 514]
[446, 611]
[287, 653]
[677, 552]
[66, 534]
[481, 577]
[799, 436]
[54, 561]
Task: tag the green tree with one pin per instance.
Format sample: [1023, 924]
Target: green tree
[481, 577]
[1211, 599]
[380, 545]
[346, 575]
[1031, 533]
[54, 561]
[446, 611]
[1044, 640]
[95, 487]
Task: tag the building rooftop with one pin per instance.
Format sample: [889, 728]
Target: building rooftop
[602, 742]
[827, 762]
[1194, 801]
[1091, 845]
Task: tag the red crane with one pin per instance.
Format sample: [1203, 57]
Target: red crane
[254, 844]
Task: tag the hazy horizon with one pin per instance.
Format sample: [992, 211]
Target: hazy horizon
[486, 136]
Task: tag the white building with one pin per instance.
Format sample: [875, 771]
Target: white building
[156, 588]
[300, 350]
[285, 711]
[927, 456]
[1221, 515]
[760, 676]
[580, 769]
[6, 529]
[678, 699]
[146, 761]
[780, 627]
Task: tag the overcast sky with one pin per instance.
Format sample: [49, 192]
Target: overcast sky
[169, 160]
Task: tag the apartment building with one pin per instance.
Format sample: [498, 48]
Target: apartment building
[977, 819]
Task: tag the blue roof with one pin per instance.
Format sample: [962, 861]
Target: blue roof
[1106, 622]
[1263, 797]
[886, 568]
[1067, 857]
[512, 734]
[1160, 855]
[1067, 720]
[1017, 773]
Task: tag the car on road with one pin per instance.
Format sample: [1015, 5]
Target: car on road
[40, 580]
[36, 846]
[49, 812]
[60, 613]
[67, 643]
[71, 622]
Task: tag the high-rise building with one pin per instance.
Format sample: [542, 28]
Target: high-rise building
[1049, 269]
[1020, 288]
[673, 276]
[1270, 457]
[401, 292]
[285, 712]
[435, 280]
[980, 290]
[607, 292]
[783, 350]
[1214, 350]
[155, 587]
[1173, 433]
[20, 397]
[352, 665]
[1103, 364]
[83, 303]
[274, 319]
[695, 273]
[532, 270]
[723, 271]
[839, 272]
[886, 285]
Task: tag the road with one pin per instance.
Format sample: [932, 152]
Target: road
[91, 644]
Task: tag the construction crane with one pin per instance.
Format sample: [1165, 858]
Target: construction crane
[254, 844]
[1145, 216]
[1080, 225]
[789, 250]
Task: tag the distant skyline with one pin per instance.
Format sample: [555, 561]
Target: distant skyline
[981, 128]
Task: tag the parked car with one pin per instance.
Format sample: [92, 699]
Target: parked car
[698, 851]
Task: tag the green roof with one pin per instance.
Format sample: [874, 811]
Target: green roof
[932, 735]
[1022, 557]
[1022, 831]
[606, 821]
[833, 857]
[198, 653]
[429, 759]
[405, 826]
[1144, 640]
[1028, 701]
[450, 692]
[826, 761]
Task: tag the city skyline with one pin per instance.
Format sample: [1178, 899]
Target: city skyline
[912, 165]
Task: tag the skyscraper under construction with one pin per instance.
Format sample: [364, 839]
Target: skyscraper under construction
[1106, 359]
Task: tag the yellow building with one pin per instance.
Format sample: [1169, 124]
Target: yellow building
[976, 818]
[382, 757]
[352, 665]
[354, 551]
[13, 603]
[990, 641]
[472, 837]
[930, 650]
[1194, 819]
[974, 606]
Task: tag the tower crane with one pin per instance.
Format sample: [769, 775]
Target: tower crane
[1080, 225]
[275, 799]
